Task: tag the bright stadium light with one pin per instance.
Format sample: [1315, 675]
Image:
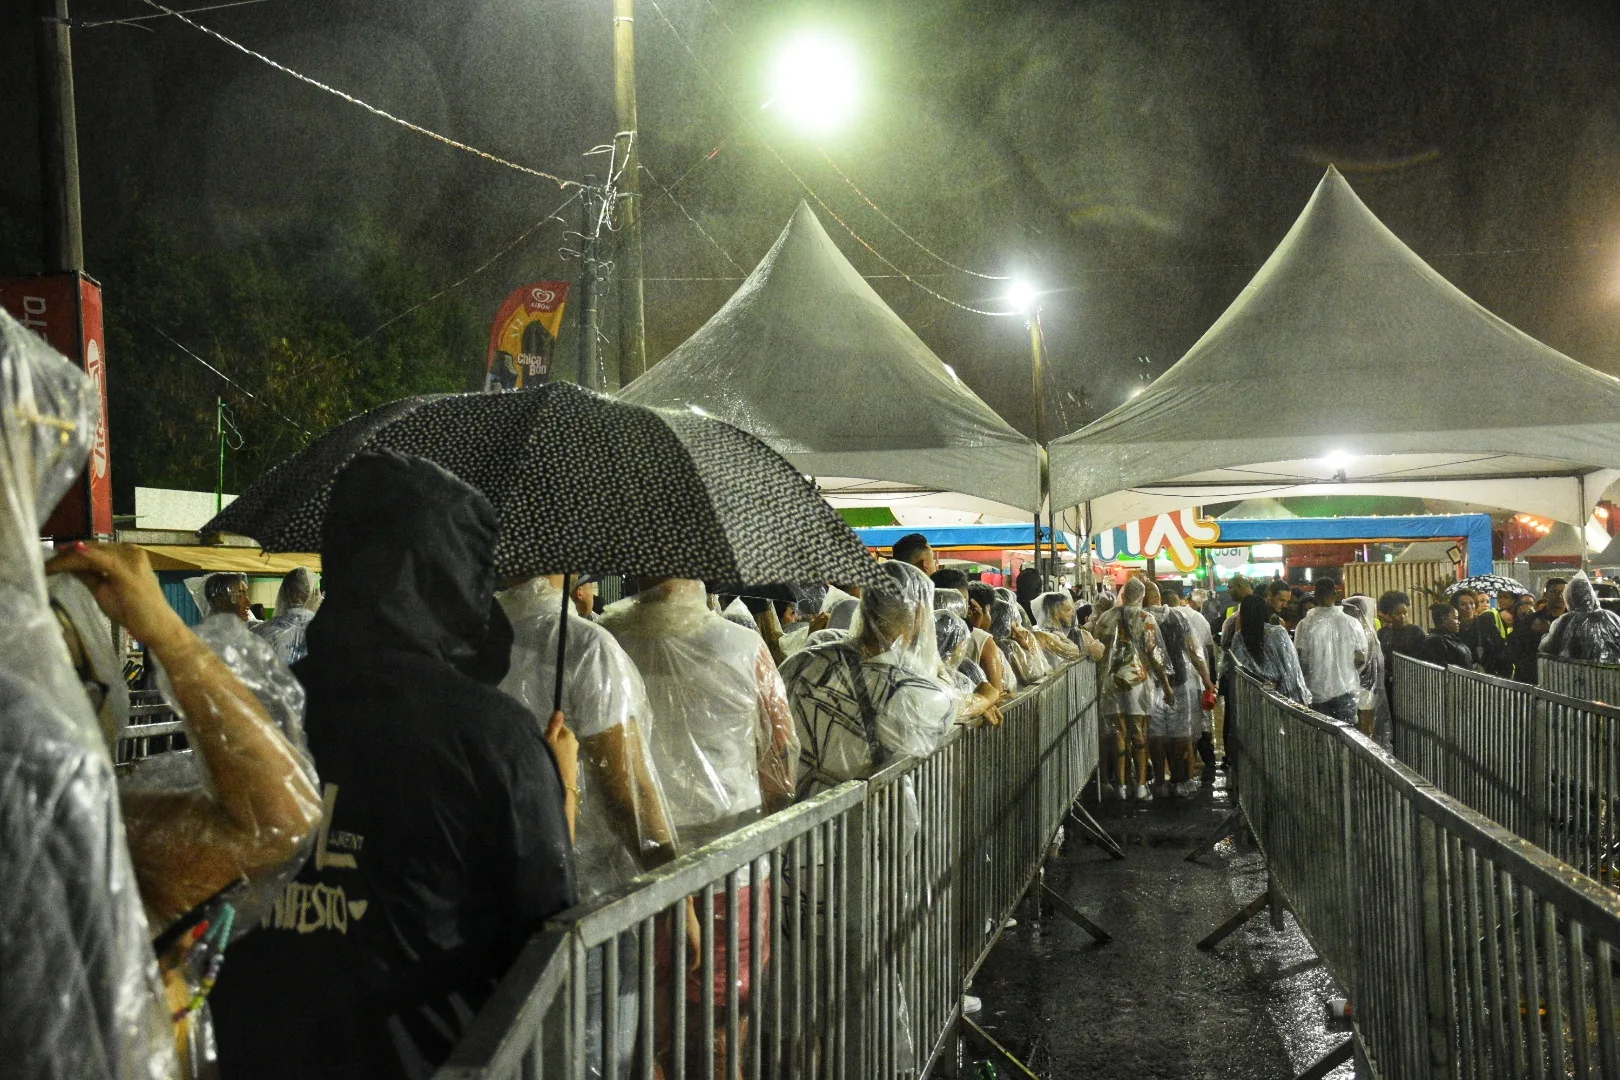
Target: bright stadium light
[1022, 296]
[813, 81]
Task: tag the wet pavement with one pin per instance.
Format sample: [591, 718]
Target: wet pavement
[1149, 1005]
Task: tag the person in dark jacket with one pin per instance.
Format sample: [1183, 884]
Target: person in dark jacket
[1524, 642]
[1445, 645]
[446, 841]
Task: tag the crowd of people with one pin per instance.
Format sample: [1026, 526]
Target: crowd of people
[390, 787]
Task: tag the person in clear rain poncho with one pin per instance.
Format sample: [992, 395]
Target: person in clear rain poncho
[624, 826]
[1586, 631]
[1017, 644]
[876, 694]
[296, 603]
[1057, 631]
[79, 988]
[722, 738]
[1372, 703]
[977, 695]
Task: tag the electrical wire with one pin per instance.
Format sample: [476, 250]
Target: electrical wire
[924, 248]
[669, 194]
[351, 99]
[134, 19]
[164, 334]
[479, 269]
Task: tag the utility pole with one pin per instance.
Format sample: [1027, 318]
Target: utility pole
[591, 234]
[63, 231]
[632, 300]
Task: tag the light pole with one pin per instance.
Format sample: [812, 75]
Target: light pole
[1024, 298]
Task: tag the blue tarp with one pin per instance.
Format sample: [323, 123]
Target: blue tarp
[1474, 530]
[959, 536]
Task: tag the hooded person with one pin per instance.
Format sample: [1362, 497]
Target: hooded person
[1372, 701]
[877, 694]
[1017, 644]
[296, 603]
[1134, 675]
[1059, 632]
[1587, 631]
[446, 838]
[624, 824]
[723, 740]
[977, 696]
[79, 994]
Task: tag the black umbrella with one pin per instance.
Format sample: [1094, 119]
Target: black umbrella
[583, 482]
[1488, 583]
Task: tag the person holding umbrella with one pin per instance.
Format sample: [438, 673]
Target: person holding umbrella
[446, 837]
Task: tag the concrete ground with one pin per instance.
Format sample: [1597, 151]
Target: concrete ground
[1149, 1005]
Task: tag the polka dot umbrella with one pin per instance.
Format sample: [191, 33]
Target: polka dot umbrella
[583, 482]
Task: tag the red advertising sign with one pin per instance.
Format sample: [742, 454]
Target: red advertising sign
[524, 336]
[65, 310]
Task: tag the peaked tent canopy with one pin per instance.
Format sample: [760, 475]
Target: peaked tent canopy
[1564, 541]
[1362, 348]
[809, 358]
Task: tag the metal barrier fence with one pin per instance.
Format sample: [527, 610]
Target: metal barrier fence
[833, 939]
[1465, 950]
[1545, 766]
[1579, 679]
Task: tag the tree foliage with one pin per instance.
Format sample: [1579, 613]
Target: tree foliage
[290, 319]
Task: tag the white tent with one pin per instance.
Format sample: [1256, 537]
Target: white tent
[1378, 377]
[809, 358]
[1561, 542]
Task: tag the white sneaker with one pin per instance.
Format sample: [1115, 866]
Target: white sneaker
[1010, 923]
[1143, 794]
[971, 1005]
[1189, 788]
[1120, 793]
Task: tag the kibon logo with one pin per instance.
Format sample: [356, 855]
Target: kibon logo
[98, 376]
[542, 297]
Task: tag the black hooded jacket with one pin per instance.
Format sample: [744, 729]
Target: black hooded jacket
[445, 844]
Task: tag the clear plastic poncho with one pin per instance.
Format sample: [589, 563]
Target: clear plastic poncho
[1029, 662]
[951, 600]
[260, 672]
[624, 825]
[93, 647]
[1586, 631]
[296, 603]
[82, 996]
[721, 730]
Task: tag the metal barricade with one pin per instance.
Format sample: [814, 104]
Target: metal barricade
[1579, 679]
[876, 901]
[1543, 765]
[152, 729]
[1465, 950]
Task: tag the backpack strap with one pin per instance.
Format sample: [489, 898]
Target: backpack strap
[863, 698]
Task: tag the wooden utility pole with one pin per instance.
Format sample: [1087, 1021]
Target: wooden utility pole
[63, 227]
[632, 303]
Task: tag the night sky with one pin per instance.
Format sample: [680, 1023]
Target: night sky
[1139, 159]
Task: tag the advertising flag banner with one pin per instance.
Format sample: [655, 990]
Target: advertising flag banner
[1176, 535]
[523, 337]
[65, 310]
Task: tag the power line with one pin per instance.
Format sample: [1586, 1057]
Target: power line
[479, 269]
[230, 381]
[351, 99]
[897, 227]
[669, 194]
[134, 19]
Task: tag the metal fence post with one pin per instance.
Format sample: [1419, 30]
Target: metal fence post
[1436, 958]
[1537, 791]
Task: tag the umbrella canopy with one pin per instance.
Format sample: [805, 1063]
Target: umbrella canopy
[583, 482]
[1488, 583]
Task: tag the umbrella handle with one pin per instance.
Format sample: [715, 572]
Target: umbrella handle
[562, 640]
